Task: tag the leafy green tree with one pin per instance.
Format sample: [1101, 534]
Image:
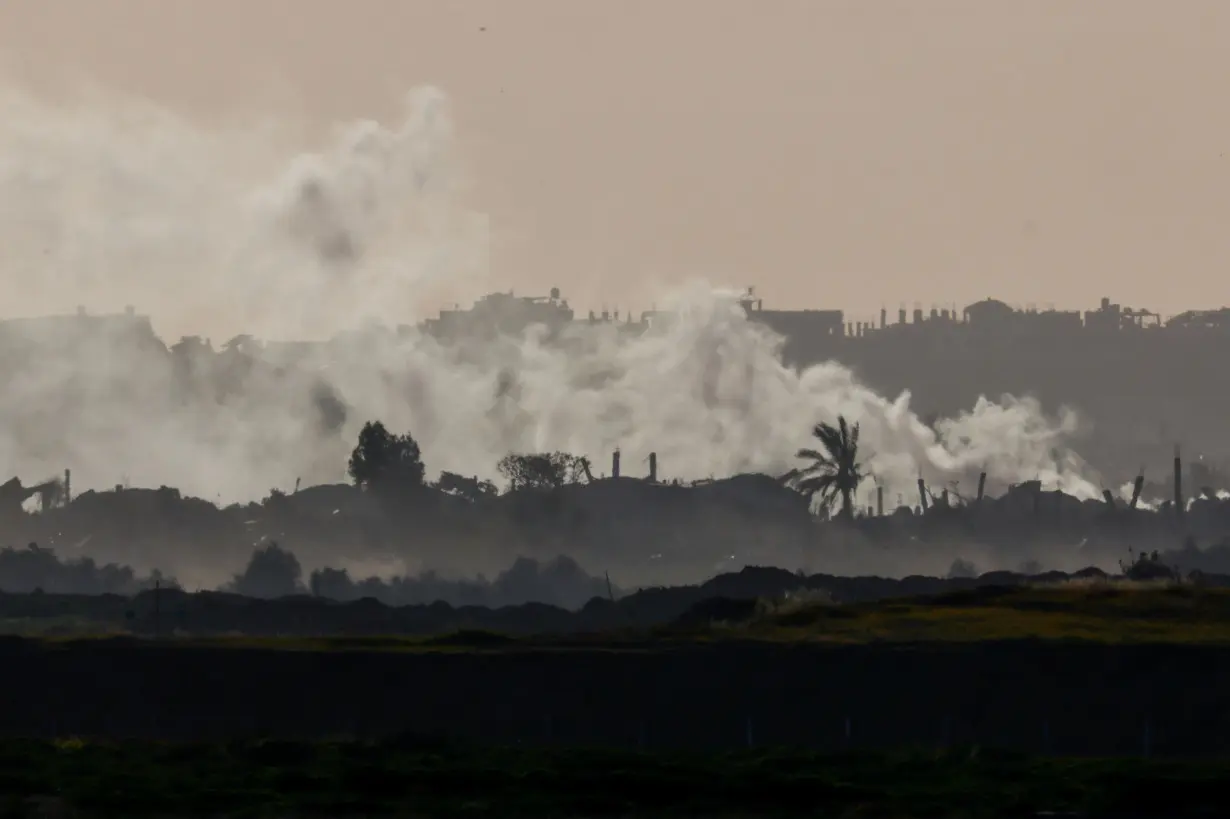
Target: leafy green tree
[834, 471]
[383, 461]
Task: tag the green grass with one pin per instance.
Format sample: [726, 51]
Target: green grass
[1101, 613]
[416, 779]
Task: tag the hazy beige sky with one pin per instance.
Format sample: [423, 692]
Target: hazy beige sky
[846, 153]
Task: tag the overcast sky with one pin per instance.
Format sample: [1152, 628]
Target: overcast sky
[851, 153]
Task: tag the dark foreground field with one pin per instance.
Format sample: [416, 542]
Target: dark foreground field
[1099, 672]
[1062, 698]
[405, 778]
[1106, 700]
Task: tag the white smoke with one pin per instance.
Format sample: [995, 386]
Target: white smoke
[111, 201]
[108, 202]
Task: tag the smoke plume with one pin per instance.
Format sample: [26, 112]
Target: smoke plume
[106, 202]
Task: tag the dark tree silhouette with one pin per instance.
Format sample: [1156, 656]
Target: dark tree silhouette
[36, 568]
[383, 461]
[277, 501]
[834, 471]
[271, 572]
[332, 583]
[544, 470]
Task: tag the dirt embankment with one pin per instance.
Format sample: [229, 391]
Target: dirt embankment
[1056, 697]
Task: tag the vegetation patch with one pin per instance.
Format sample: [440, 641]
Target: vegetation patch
[1123, 614]
[1104, 613]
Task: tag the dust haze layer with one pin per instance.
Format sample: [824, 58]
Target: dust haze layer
[109, 201]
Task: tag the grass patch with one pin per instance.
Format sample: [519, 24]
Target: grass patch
[1144, 613]
[411, 777]
[1111, 613]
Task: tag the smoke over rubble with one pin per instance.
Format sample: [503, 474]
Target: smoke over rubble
[107, 202]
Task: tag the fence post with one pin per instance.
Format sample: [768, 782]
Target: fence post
[847, 730]
[750, 738]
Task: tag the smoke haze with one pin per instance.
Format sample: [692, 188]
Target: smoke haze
[116, 202]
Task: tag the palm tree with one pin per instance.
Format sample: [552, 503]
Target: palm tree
[834, 471]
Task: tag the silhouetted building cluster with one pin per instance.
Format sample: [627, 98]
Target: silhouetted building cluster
[500, 314]
[986, 317]
[508, 313]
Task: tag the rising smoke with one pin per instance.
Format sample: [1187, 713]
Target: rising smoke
[107, 202]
